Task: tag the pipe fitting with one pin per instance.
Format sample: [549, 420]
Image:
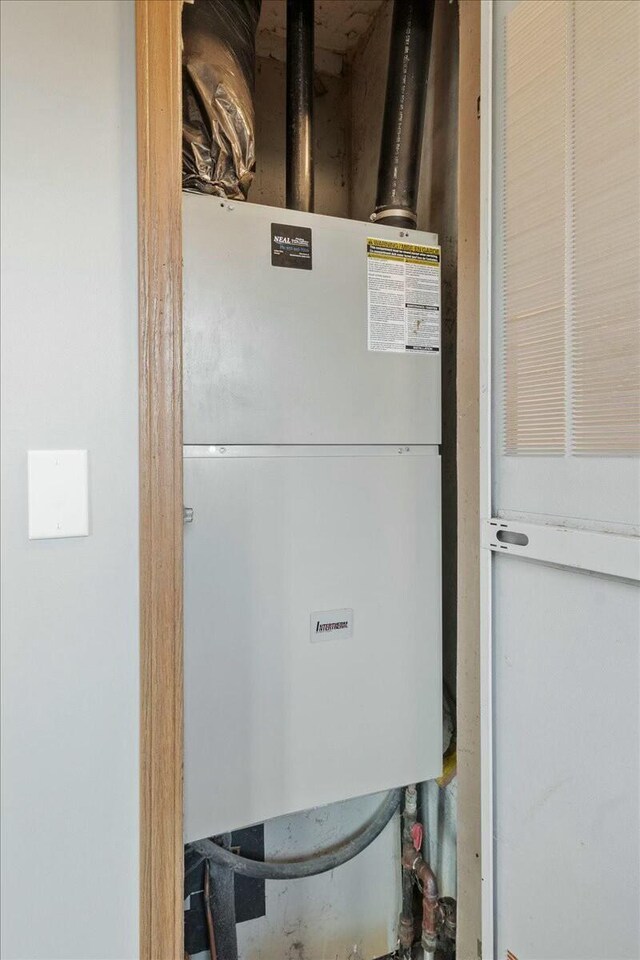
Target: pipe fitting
[412, 860]
[429, 943]
[395, 217]
[405, 932]
[409, 813]
[448, 919]
[411, 800]
[414, 866]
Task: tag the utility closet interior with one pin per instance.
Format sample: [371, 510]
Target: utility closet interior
[319, 318]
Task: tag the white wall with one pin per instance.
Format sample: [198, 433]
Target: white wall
[330, 154]
[69, 379]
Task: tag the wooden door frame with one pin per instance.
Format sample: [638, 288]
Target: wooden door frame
[158, 54]
[470, 867]
[159, 120]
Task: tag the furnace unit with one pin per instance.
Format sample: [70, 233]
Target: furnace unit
[312, 475]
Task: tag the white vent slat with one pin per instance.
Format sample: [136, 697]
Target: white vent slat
[572, 228]
[606, 243]
[534, 225]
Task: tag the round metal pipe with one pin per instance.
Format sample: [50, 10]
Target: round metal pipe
[311, 866]
[403, 122]
[222, 907]
[299, 164]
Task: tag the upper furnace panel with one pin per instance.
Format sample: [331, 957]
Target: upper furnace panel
[280, 356]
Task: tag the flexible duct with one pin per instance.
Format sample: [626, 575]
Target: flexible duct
[403, 122]
[218, 74]
[221, 909]
[309, 867]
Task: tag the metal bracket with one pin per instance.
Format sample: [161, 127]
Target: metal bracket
[599, 552]
[187, 514]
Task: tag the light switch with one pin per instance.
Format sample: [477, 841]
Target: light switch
[58, 494]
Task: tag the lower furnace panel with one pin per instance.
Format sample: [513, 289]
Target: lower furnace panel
[281, 715]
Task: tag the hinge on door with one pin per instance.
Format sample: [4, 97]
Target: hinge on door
[187, 514]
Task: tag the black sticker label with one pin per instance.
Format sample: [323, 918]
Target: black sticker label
[290, 246]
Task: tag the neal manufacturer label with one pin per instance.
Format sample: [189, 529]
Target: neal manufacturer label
[403, 297]
[290, 246]
[331, 624]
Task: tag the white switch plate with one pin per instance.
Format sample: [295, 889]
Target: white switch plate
[58, 494]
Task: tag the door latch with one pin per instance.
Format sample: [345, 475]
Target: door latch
[187, 514]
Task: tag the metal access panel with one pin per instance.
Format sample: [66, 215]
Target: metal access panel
[276, 348]
[312, 628]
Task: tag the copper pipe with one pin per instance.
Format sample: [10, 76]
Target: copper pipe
[427, 878]
[405, 921]
[429, 885]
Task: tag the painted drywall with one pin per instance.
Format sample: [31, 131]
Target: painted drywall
[368, 73]
[338, 28]
[69, 380]
[331, 118]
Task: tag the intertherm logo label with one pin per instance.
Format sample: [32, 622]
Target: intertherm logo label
[331, 624]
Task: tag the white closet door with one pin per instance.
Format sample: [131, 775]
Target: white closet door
[561, 467]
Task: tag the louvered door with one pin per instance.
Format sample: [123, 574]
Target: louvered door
[561, 467]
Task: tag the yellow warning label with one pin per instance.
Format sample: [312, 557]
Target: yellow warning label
[397, 250]
[403, 297]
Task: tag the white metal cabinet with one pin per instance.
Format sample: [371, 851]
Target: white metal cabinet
[312, 562]
[276, 355]
[276, 719]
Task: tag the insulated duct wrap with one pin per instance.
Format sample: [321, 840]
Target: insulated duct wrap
[218, 75]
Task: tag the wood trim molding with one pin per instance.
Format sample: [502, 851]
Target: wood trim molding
[468, 461]
[158, 51]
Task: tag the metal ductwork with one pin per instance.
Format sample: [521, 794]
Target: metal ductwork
[299, 174]
[403, 123]
[218, 115]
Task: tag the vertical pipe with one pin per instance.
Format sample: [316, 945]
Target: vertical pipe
[406, 920]
[213, 952]
[299, 180]
[223, 907]
[403, 121]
